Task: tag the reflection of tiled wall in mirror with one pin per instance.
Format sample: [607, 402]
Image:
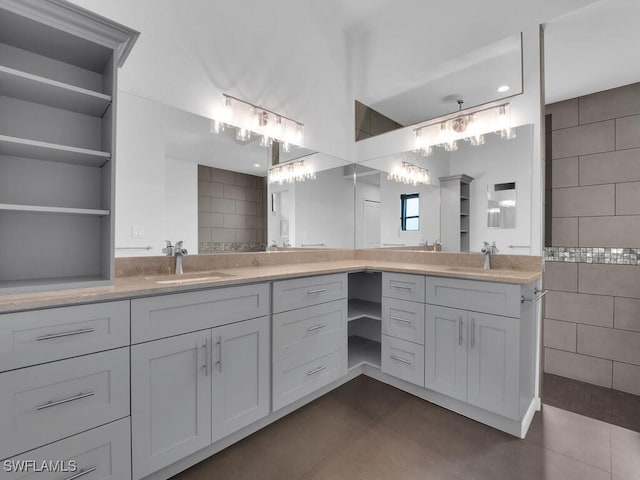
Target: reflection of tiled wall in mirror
[231, 211]
[370, 123]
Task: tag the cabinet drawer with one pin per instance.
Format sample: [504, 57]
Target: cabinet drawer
[403, 319]
[295, 377]
[307, 291]
[168, 315]
[402, 359]
[403, 286]
[45, 403]
[319, 327]
[104, 453]
[475, 295]
[29, 338]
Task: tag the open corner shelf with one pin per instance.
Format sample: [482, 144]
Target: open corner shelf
[364, 309]
[37, 89]
[52, 152]
[363, 351]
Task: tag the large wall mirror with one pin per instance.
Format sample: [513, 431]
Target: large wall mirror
[457, 205]
[234, 205]
[487, 74]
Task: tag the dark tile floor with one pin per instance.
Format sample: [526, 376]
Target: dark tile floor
[368, 430]
[611, 406]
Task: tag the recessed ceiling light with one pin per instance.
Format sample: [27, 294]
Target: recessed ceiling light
[256, 164]
[503, 88]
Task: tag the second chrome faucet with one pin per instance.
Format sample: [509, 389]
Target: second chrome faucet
[177, 251]
[488, 250]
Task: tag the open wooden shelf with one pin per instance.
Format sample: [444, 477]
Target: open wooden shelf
[52, 152]
[37, 89]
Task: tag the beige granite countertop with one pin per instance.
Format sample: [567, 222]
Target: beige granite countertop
[147, 284]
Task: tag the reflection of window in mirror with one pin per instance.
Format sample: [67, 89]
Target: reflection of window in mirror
[410, 211]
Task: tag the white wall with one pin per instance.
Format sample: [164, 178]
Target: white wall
[154, 193]
[392, 235]
[498, 161]
[324, 210]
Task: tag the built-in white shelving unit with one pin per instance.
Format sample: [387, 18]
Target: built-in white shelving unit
[365, 319]
[455, 205]
[58, 94]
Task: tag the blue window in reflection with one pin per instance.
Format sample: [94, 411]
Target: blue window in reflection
[410, 211]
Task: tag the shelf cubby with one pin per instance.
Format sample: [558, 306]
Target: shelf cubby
[58, 68]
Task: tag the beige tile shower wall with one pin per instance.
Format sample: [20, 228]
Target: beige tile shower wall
[592, 312]
[231, 209]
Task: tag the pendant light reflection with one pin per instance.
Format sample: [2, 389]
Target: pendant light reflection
[296, 171]
[409, 174]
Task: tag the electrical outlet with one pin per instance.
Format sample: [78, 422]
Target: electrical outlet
[137, 232]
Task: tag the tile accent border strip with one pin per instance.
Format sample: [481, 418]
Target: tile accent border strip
[602, 255]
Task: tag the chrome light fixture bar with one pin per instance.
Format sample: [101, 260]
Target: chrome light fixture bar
[469, 126]
[296, 171]
[409, 174]
[249, 119]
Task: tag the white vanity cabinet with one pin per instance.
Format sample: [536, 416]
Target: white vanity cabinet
[192, 389]
[403, 325]
[309, 335]
[66, 387]
[477, 356]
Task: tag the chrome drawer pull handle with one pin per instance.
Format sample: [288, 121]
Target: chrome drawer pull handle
[316, 327]
[473, 333]
[82, 473]
[65, 334]
[398, 319]
[320, 290]
[400, 359]
[535, 299]
[460, 330]
[205, 365]
[219, 362]
[65, 400]
[316, 370]
[400, 287]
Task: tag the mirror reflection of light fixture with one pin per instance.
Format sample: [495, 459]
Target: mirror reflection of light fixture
[295, 171]
[409, 174]
[470, 127]
[248, 118]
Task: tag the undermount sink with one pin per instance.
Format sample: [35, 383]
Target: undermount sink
[188, 278]
[478, 270]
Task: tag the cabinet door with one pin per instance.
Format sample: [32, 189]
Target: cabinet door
[241, 365]
[446, 351]
[493, 365]
[170, 400]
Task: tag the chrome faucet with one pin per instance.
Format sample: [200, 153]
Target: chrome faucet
[488, 250]
[176, 251]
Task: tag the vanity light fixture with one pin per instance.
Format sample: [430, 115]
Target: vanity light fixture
[296, 171]
[470, 127]
[249, 119]
[410, 174]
